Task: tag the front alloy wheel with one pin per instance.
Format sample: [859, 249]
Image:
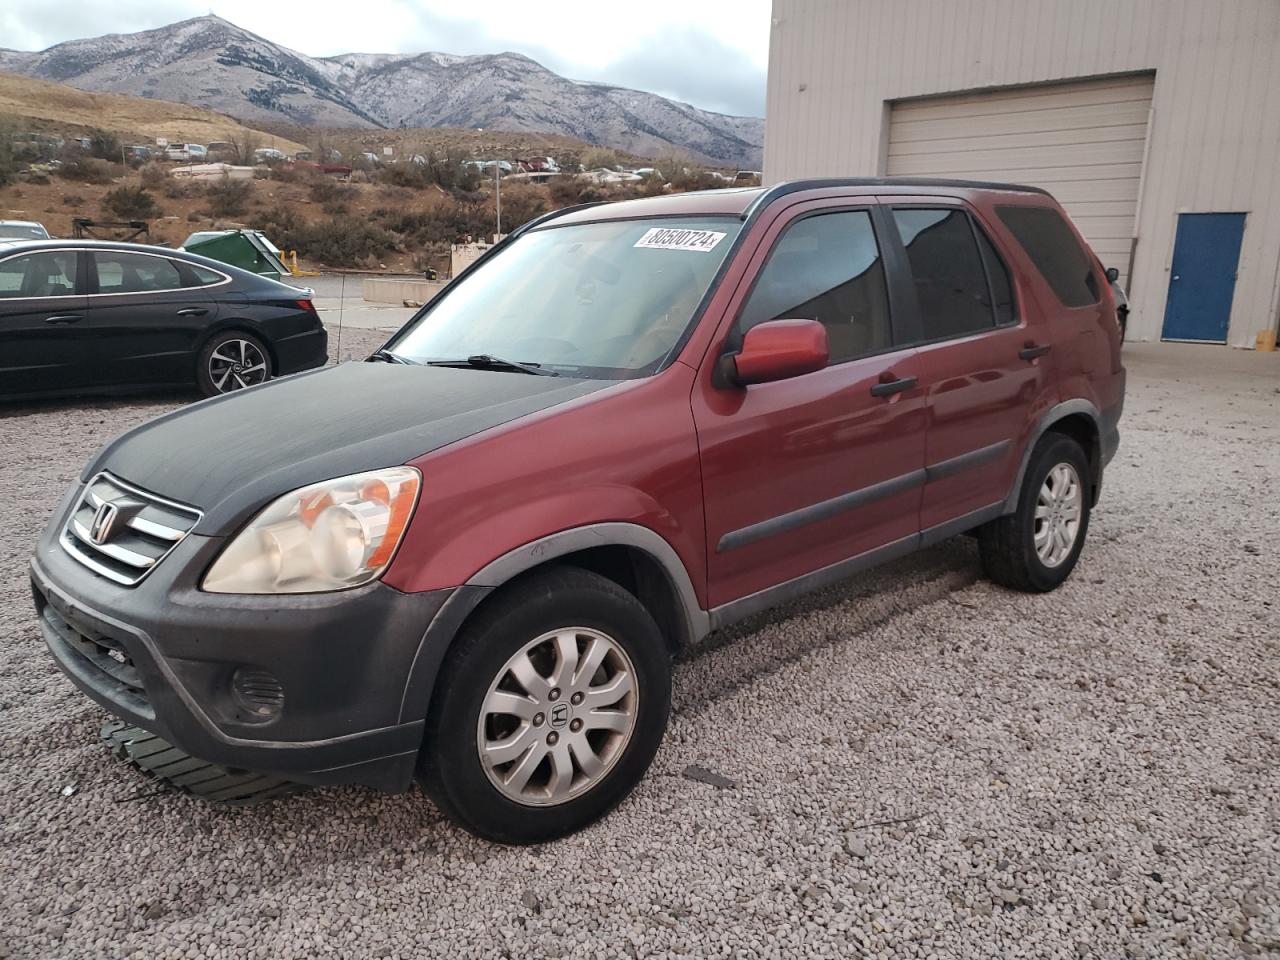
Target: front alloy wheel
[557, 717]
[549, 707]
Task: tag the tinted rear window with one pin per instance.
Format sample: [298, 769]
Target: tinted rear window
[1054, 250]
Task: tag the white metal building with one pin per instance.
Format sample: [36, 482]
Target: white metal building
[1156, 123]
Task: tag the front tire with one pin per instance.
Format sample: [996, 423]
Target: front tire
[1036, 547]
[549, 710]
[232, 360]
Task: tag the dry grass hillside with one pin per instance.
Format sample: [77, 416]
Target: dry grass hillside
[486, 144]
[57, 108]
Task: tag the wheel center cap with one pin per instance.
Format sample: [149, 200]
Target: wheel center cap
[236, 368]
[560, 715]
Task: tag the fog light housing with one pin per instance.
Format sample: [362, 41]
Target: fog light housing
[257, 693]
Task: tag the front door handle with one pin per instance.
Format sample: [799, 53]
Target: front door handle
[65, 318]
[192, 312]
[1033, 351]
[890, 384]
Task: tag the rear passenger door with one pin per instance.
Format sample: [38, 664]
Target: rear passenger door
[982, 384]
[804, 473]
[148, 314]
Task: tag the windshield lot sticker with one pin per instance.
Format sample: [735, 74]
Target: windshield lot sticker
[669, 238]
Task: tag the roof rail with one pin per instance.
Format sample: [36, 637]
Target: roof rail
[786, 187]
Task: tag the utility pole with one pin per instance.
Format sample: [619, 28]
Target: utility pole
[497, 187]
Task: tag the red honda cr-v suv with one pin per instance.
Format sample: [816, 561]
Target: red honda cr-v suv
[472, 557]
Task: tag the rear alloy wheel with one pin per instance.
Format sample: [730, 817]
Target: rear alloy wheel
[549, 708]
[232, 361]
[1036, 547]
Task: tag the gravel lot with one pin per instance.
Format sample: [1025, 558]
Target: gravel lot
[924, 765]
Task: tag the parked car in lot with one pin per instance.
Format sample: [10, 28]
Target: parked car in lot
[186, 152]
[22, 230]
[474, 557]
[80, 317]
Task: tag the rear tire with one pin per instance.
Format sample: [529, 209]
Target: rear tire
[529, 737]
[230, 361]
[1036, 547]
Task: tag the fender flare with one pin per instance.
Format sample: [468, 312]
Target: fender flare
[515, 562]
[439, 635]
[1051, 416]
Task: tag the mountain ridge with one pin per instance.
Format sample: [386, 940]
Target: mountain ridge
[254, 79]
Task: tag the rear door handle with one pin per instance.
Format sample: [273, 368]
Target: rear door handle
[1033, 351]
[888, 386]
[65, 318]
[192, 312]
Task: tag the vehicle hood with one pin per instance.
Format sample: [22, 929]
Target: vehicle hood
[231, 455]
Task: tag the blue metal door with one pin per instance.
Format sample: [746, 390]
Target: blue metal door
[1202, 280]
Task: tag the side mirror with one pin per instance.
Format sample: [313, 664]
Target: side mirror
[1112, 274]
[777, 350]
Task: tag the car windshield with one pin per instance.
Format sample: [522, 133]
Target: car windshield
[603, 300]
[25, 231]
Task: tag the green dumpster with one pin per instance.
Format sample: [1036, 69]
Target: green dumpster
[247, 249]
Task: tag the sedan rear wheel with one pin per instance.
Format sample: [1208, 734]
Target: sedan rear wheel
[232, 361]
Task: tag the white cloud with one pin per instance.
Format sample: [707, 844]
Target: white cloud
[712, 53]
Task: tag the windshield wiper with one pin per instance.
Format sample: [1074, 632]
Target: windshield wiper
[388, 357]
[486, 362]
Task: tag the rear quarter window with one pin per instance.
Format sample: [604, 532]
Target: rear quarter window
[1055, 251]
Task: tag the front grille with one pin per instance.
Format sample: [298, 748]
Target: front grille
[121, 532]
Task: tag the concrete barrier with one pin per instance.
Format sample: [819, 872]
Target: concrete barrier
[398, 291]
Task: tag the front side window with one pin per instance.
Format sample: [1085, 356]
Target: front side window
[47, 274]
[946, 269]
[1053, 248]
[826, 268]
[120, 272]
[608, 300]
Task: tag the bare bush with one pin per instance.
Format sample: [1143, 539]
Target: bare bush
[85, 169]
[229, 198]
[154, 175]
[130, 203]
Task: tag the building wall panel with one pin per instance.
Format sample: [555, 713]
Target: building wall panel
[1213, 139]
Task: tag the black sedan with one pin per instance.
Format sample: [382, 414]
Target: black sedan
[79, 317]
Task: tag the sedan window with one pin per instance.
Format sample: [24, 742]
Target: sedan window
[50, 273]
[120, 272]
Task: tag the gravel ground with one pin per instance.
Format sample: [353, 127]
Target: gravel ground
[923, 765]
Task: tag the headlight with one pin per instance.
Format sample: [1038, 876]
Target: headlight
[329, 536]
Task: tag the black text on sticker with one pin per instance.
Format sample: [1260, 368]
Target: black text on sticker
[674, 238]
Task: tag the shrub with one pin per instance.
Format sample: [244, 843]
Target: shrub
[599, 157]
[520, 204]
[342, 241]
[86, 170]
[130, 203]
[154, 175]
[567, 191]
[229, 198]
[73, 200]
[333, 196]
[104, 146]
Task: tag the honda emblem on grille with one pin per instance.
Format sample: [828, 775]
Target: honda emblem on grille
[104, 519]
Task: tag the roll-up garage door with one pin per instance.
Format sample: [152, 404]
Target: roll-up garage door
[1082, 141]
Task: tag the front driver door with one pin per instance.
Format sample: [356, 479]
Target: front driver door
[802, 474]
[42, 333]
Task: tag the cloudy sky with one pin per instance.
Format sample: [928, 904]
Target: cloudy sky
[711, 53]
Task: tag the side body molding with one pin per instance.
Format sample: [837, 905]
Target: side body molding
[1048, 419]
[697, 622]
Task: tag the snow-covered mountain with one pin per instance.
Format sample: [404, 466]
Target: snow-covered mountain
[212, 63]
